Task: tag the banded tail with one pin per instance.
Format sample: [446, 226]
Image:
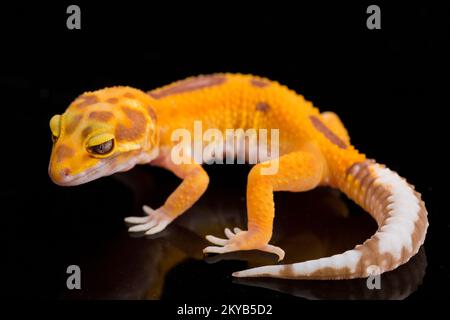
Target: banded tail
[402, 225]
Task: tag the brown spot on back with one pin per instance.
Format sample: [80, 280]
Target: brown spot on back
[112, 100]
[86, 131]
[129, 95]
[187, 85]
[320, 126]
[72, 124]
[259, 83]
[101, 115]
[63, 152]
[137, 128]
[86, 100]
[262, 106]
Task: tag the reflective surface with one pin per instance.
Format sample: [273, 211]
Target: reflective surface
[171, 264]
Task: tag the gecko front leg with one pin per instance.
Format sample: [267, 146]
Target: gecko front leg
[194, 184]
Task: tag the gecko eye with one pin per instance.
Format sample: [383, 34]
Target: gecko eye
[101, 145]
[102, 148]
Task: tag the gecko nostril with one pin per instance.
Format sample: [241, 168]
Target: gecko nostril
[66, 172]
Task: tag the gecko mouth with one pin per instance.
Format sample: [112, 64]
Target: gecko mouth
[99, 170]
[105, 168]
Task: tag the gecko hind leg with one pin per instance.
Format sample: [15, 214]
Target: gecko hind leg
[333, 122]
[297, 171]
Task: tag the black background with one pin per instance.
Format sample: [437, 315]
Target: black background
[387, 86]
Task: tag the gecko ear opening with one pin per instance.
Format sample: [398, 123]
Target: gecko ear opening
[55, 126]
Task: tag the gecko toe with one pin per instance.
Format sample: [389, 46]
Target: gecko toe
[148, 210]
[216, 240]
[274, 250]
[142, 227]
[214, 249]
[158, 227]
[136, 220]
[229, 233]
[237, 230]
[154, 222]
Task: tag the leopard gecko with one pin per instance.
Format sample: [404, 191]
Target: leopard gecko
[113, 129]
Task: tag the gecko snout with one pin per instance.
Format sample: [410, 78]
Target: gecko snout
[60, 176]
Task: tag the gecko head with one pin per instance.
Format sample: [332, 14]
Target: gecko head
[100, 133]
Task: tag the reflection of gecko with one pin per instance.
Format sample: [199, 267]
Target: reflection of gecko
[113, 129]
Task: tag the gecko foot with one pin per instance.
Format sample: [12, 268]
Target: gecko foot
[155, 221]
[239, 240]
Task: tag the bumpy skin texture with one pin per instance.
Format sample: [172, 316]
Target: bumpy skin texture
[314, 149]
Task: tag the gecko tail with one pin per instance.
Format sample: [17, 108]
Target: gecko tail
[402, 225]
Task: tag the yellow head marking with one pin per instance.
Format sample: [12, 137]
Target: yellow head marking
[55, 125]
[100, 133]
